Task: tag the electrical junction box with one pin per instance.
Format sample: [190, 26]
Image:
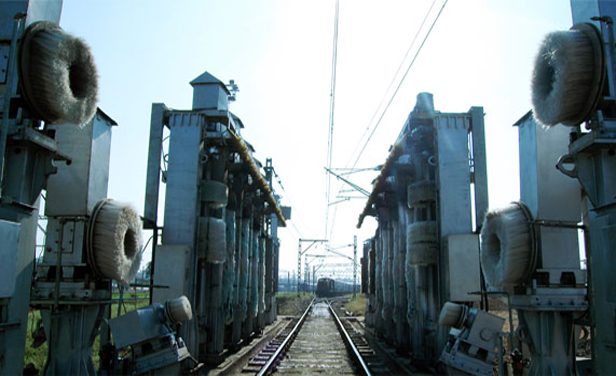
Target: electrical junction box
[170, 271]
[463, 263]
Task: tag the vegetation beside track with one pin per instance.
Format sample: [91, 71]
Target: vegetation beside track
[289, 304]
[356, 306]
[131, 300]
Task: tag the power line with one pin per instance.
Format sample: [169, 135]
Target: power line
[389, 87]
[399, 83]
[408, 69]
[376, 111]
[332, 101]
[393, 80]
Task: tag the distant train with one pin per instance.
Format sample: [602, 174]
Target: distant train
[326, 287]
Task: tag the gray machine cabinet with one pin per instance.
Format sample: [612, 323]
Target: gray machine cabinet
[78, 186]
[135, 327]
[170, 270]
[550, 195]
[9, 236]
[487, 331]
[463, 256]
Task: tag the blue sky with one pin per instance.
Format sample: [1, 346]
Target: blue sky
[480, 53]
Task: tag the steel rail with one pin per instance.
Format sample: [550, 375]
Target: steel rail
[271, 363]
[357, 358]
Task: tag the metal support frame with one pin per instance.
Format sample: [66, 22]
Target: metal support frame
[354, 265]
[72, 298]
[205, 146]
[591, 154]
[335, 253]
[347, 181]
[300, 253]
[548, 305]
[272, 253]
[26, 155]
[425, 187]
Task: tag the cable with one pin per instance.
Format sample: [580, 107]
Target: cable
[332, 100]
[393, 80]
[146, 245]
[401, 80]
[389, 87]
[408, 69]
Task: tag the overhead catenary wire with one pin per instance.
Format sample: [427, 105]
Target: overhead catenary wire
[332, 102]
[401, 81]
[393, 95]
[391, 83]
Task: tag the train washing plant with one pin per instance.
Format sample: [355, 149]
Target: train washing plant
[529, 250]
[437, 255]
[221, 217]
[425, 256]
[425, 250]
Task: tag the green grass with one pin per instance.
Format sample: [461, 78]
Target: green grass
[289, 304]
[37, 356]
[357, 305]
[132, 301]
[293, 294]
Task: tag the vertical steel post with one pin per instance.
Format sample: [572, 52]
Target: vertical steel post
[480, 174]
[307, 279]
[299, 264]
[18, 227]
[593, 155]
[70, 320]
[354, 265]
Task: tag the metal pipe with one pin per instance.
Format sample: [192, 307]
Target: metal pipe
[563, 224]
[238, 143]
[153, 262]
[505, 294]
[59, 252]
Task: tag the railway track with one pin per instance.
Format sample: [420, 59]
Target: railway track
[318, 342]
